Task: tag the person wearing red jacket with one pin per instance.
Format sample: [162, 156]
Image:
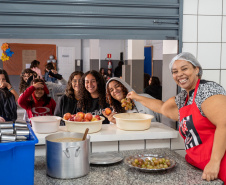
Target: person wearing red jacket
[35, 100]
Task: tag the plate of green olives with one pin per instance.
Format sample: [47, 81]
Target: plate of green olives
[150, 162]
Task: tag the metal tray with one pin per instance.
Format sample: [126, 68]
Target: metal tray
[128, 161]
[105, 158]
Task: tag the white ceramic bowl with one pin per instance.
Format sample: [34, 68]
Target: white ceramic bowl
[133, 121]
[80, 127]
[45, 124]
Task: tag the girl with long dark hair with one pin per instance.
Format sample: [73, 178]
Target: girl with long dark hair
[68, 102]
[154, 89]
[8, 97]
[92, 95]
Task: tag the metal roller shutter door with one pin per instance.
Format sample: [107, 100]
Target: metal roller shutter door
[92, 19]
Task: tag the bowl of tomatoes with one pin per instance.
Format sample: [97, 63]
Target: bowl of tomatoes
[80, 121]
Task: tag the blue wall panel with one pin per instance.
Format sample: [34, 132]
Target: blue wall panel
[148, 60]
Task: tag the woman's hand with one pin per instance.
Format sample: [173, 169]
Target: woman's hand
[211, 171]
[5, 84]
[110, 116]
[132, 95]
[10, 88]
[38, 85]
[2, 119]
[54, 71]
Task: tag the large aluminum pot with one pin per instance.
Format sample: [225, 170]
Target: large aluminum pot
[67, 160]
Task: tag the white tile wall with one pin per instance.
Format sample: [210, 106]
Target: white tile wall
[224, 7]
[189, 28]
[223, 78]
[209, 28]
[211, 75]
[190, 47]
[224, 29]
[210, 7]
[209, 55]
[152, 143]
[190, 7]
[107, 146]
[131, 145]
[211, 37]
[223, 56]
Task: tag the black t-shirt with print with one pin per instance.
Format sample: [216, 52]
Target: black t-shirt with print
[96, 109]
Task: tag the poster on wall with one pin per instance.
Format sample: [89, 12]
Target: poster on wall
[66, 61]
[25, 53]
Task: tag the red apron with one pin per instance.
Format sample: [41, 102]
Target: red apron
[198, 134]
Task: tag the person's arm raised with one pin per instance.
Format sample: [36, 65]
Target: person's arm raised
[214, 109]
[168, 108]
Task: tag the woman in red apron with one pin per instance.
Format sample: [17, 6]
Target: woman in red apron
[202, 115]
[198, 133]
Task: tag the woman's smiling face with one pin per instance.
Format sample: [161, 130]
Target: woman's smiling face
[116, 90]
[39, 92]
[91, 84]
[185, 74]
[75, 82]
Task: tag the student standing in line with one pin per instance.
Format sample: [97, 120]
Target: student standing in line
[35, 67]
[51, 74]
[154, 89]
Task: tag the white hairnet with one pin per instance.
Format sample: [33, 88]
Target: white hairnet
[188, 57]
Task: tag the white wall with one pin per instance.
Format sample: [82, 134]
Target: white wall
[86, 54]
[113, 47]
[170, 47]
[94, 48]
[204, 35]
[157, 48]
[136, 49]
